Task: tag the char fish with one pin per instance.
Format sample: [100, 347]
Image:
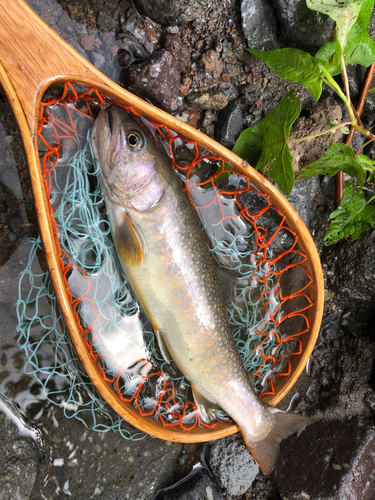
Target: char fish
[158, 237]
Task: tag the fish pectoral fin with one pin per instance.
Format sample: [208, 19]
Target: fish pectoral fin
[127, 240]
[162, 346]
[207, 409]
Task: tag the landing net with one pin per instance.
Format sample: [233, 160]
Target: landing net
[247, 235]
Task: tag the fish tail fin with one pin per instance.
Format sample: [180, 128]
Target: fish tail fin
[267, 451]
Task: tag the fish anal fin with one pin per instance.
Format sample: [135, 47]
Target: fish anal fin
[127, 241]
[162, 345]
[267, 450]
[207, 409]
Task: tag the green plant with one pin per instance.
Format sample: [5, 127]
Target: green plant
[266, 145]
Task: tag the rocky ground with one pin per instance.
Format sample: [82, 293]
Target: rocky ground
[190, 59]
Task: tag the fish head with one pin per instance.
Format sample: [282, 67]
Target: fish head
[128, 157]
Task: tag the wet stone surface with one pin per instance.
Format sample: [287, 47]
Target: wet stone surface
[19, 462]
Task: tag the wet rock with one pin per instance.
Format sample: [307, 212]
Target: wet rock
[197, 486]
[359, 482]
[259, 24]
[320, 462]
[232, 464]
[133, 46]
[124, 58]
[15, 224]
[301, 26]
[18, 462]
[98, 59]
[176, 12]
[214, 99]
[190, 116]
[142, 29]
[303, 197]
[184, 86]
[158, 78]
[210, 61]
[352, 267]
[179, 50]
[229, 125]
[327, 185]
[106, 22]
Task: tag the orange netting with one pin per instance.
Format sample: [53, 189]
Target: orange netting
[269, 268]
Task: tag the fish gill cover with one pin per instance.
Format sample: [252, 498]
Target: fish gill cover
[249, 240]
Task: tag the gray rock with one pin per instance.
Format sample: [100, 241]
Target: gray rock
[229, 125]
[302, 27]
[232, 464]
[197, 486]
[327, 185]
[98, 59]
[169, 13]
[214, 99]
[158, 78]
[133, 46]
[352, 270]
[303, 198]
[259, 24]
[106, 22]
[322, 461]
[18, 462]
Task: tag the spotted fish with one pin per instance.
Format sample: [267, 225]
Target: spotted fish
[159, 241]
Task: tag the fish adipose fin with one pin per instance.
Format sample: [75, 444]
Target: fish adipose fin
[162, 345]
[267, 451]
[126, 238]
[207, 409]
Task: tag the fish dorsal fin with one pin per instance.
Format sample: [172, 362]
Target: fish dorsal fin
[207, 409]
[162, 345]
[227, 283]
[127, 240]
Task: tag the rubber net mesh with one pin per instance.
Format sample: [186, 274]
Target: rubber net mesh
[249, 240]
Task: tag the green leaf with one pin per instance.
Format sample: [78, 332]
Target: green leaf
[354, 215]
[344, 12]
[371, 90]
[297, 66]
[360, 48]
[265, 147]
[339, 157]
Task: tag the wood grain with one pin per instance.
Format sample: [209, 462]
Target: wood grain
[32, 58]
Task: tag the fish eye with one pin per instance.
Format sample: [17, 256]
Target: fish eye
[135, 140]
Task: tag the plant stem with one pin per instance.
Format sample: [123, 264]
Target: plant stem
[363, 146]
[345, 78]
[312, 136]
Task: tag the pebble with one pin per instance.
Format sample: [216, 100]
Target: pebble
[214, 99]
[210, 61]
[184, 86]
[179, 50]
[98, 59]
[158, 77]
[15, 224]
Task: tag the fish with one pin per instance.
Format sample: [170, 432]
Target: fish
[160, 244]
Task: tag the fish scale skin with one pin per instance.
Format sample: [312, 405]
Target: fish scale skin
[178, 288]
